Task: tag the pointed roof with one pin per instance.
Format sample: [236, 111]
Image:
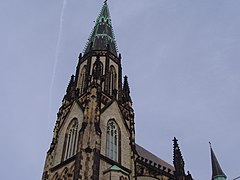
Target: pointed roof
[126, 90]
[216, 168]
[70, 88]
[178, 159]
[116, 168]
[102, 36]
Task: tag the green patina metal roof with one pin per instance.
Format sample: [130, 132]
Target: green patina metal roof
[116, 168]
[102, 36]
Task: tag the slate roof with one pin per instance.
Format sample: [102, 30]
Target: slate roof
[142, 152]
[216, 168]
[102, 36]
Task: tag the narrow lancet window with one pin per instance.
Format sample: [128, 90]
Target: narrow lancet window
[97, 69]
[113, 80]
[82, 79]
[112, 140]
[70, 144]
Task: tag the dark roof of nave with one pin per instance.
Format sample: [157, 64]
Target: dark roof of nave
[148, 155]
[102, 36]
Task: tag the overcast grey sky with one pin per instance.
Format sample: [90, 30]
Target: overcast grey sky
[183, 62]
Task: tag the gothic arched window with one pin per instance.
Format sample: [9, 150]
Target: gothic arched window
[70, 144]
[112, 140]
[113, 79]
[97, 69]
[82, 79]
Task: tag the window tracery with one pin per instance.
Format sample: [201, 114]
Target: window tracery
[113, 80]
[83, 79]
[112, 140]
[97, 69]
[70, 145]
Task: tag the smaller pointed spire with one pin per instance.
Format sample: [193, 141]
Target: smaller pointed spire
[217, 172]
[70, 89]
[70, 84]
[126, 90]
[178, 160]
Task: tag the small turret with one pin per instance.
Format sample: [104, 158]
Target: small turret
[217, 172]
[179, 163]
[126, 91]
[70, 89]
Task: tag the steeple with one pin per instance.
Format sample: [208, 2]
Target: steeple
[178, 160]
[100, 62]
[102, 36]
[217, 173]
[126, 91]
[179, 163]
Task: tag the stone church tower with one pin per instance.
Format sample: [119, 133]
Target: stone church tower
[94, 134]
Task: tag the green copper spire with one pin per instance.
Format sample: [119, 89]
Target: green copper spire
[217, 173]
[102, 37]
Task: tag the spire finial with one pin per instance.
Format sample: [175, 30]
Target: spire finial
[210, 144]
[175, 139]
[105, 2]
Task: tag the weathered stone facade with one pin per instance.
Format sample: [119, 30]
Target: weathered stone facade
[94, 135]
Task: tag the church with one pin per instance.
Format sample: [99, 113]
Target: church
[94, 134]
